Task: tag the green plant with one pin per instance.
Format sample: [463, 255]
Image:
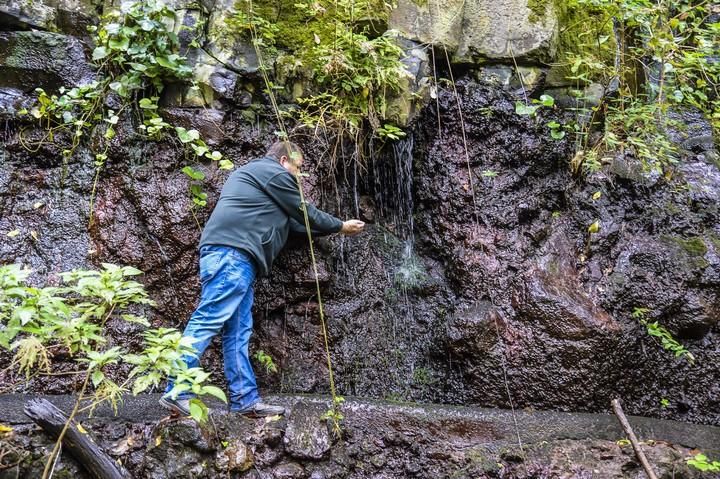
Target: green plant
[422, 376]
[334, 415]
[350, 75]
[666, 338]
[390, 131]
[522, 108]
[555, 130]
[664, 403]
[702, 463]
[136, 52]
[266, 361]
[656, 56]
[41, 323]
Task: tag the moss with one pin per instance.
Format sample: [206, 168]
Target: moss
[538, 10]
[580, 26]
[694, 248]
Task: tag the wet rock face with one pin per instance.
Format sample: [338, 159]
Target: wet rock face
[40, 59]
[508, 286]
[476, 270]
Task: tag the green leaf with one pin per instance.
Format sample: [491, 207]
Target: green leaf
[198, 410]
[130, 271]
[186, 136]
[557, 134]
[25, 315]
[148, 104]
[99, 53]
[547, 100]
[97, 377]
[138, 67]
[165, 62]
[523, 109]
[193, 173]
[214, 391]
[226, 165]
[121, 43]
[132, 318]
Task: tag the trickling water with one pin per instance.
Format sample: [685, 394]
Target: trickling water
[403, 159]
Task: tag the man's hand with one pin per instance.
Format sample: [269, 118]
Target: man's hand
[352, 227]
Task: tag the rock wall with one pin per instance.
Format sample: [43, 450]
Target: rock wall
[476, 282]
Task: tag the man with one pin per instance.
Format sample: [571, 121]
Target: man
[258, 206]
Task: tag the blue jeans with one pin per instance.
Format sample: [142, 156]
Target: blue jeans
[227, 276]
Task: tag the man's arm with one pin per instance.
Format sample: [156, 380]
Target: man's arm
[299, 228]
[283, 189]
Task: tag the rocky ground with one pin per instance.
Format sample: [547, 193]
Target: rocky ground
[379, 440]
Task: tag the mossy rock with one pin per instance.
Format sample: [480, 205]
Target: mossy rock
[66, 16]
[42, 59]
[690, 251]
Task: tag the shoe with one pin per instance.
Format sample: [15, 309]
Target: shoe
[261, 409]
[179, 406]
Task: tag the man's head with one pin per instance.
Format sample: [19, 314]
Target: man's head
[288, 154]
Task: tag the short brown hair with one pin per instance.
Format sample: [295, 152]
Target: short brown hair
[284, 148]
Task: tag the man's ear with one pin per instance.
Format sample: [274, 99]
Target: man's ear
[283, 158]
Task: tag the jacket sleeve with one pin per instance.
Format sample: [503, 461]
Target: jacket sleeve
[298, 228]
[283, 190]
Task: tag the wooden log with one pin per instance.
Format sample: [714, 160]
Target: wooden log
[633, 439]
[80, 445]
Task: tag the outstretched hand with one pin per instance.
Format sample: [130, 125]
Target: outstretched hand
[352, 227]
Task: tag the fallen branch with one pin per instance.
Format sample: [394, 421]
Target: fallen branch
[633, 439]
[52, 420]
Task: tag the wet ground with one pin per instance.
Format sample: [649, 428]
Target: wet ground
[401, 440]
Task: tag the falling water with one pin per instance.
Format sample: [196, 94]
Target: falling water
[403, 163]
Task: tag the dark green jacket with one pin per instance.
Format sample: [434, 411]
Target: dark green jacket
[258, 206]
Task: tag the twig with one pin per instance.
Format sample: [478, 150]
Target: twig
[633, 439]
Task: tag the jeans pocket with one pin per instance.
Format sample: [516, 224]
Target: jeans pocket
[209, 263]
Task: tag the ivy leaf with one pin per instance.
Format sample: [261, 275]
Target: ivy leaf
[226, 165]
[148, 104]
[112, 28]
[547, 100]
[523, 109]
[186, 136]
[216, 156]
[193, 173]
[165, 62]
[99, 53]
[119, 44]
[200, 150]
[147, 25]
